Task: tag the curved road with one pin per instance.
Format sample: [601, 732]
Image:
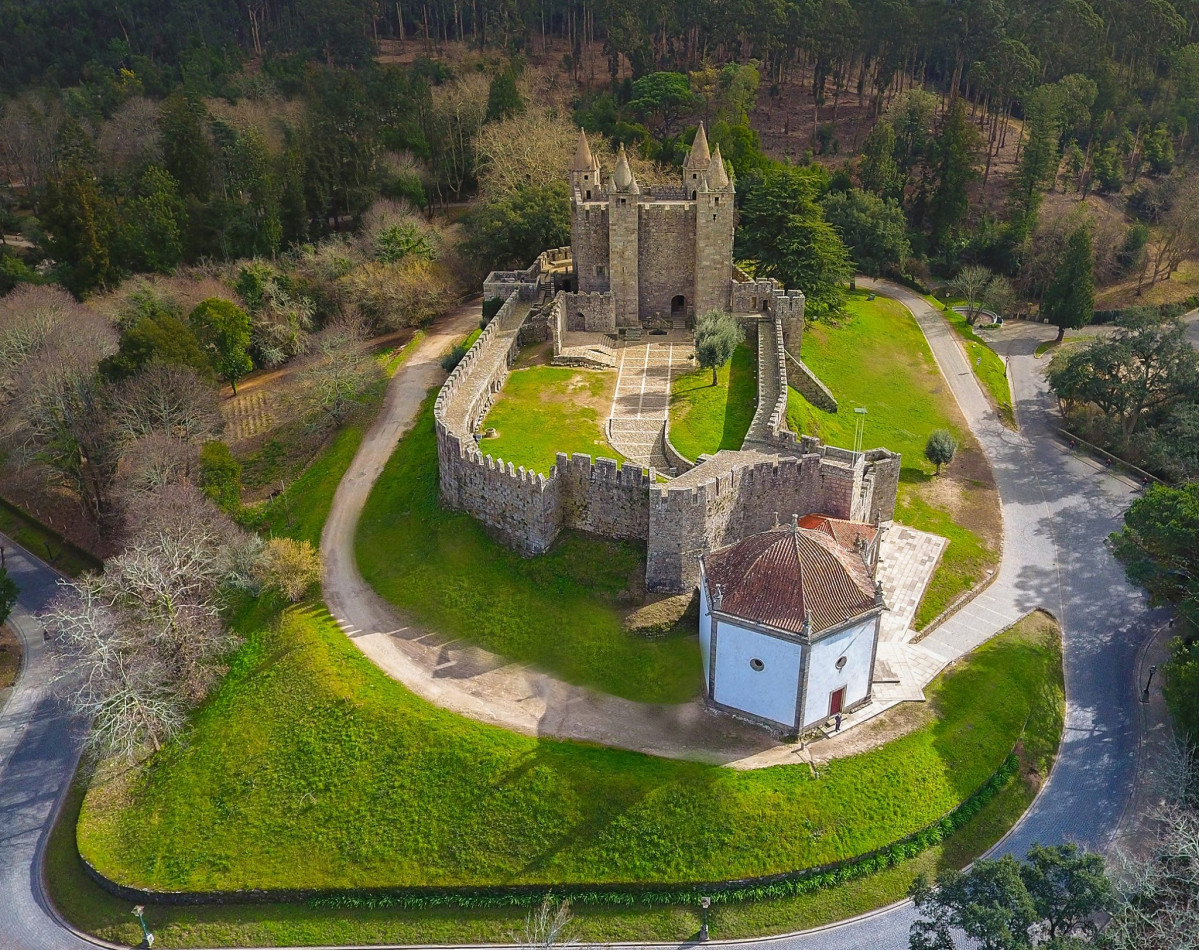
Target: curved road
[1058, 509]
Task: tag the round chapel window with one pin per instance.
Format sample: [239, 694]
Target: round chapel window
[841, 662]
[757, 665]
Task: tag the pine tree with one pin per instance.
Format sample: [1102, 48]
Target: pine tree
[951, 170]
[1069, 301]
[878, 172]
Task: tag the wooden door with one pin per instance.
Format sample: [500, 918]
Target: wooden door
[836, 700]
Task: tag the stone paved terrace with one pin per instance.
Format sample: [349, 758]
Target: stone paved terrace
[641, 401]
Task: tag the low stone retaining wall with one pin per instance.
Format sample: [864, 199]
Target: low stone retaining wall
[808, 384]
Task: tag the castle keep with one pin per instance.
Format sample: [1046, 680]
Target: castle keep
[653, 252]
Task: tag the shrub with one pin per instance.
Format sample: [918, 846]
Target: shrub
[220, 476]
[288, 566]
[450, 361]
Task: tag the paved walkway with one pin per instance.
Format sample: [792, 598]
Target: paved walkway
[641, 400]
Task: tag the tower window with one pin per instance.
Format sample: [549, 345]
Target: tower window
[599, 270]
[718, 200]
[713, 217]
[588, 194]
[692, 195]
[622, 201]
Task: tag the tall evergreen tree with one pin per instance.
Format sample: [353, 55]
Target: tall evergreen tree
[878, 171]
[950, 171]
[186, 151]
[1069, 301]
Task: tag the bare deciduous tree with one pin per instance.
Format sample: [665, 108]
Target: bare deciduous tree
[143, 641]
[54, 403]
[336, 373]
[546, 926]
[129, 140]
[170, 399]
[1159, 885]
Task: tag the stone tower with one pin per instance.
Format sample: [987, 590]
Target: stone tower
[585, 170]
[713, 233]
[623, 242]
[697, 163]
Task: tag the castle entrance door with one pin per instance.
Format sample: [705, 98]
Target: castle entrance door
[678, 306]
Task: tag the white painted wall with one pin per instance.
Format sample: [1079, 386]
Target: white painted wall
[705, 628]
[771, 693]
[856, 644]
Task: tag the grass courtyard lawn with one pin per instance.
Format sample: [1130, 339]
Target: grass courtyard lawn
[561, 611]
[44, 542]
[707, 418]
[543, 410]
[310, 768]
[877, 358]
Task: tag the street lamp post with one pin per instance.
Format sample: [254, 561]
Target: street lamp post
[140, 913]
[704, 902]
[1145, 691]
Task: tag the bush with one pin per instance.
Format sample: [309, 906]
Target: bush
[450, 361]
[289, 567]
[1182, 688]
[220, 476]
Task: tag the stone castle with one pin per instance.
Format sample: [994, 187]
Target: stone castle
[638, 258]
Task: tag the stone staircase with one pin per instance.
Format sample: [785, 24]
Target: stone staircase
[678, 321]
[640, 441]
[588, 349]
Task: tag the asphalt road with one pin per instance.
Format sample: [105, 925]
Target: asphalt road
[1058, 510]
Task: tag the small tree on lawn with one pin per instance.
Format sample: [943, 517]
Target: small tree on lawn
[8, 594]
[940, 448]
[1069, 301]
[971, 285]
[220, 476]
[717, 335]
[223, 329]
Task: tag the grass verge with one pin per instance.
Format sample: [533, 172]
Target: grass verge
[391, 360]
[706, 418]
[561, 611]
[877, 358]
[988, 366]
[310, 768]
[44, 542]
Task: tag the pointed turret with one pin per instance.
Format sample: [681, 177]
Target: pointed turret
[718, 178]
[623, 178]
[584, 161]
[699, 157]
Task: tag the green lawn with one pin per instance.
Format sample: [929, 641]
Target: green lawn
[561, 611]
[391, 360]
[878, 359]
[44, 542]
[310, 768]
[987, 364]
[300, 511]
[543, 410]
[706, 418]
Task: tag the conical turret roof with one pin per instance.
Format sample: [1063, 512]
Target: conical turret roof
[718, 178]
[584, 161]
[623, 176]
[699, 157]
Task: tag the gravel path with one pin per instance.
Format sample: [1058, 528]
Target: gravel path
[1058, 509]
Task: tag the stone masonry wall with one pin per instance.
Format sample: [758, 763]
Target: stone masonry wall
[666, 257]
[602, 498]
[589, 235]
[591, 313]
